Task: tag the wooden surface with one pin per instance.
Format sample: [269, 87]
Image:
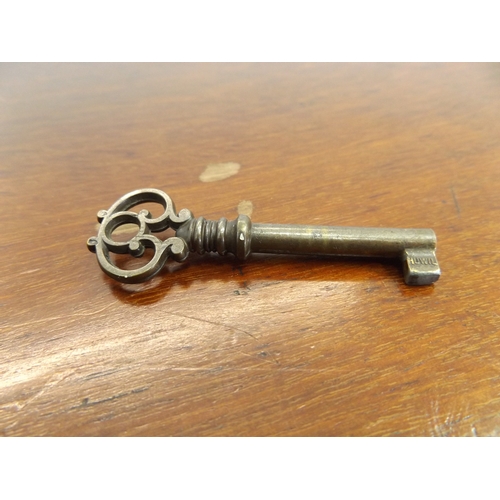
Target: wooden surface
[275, 345]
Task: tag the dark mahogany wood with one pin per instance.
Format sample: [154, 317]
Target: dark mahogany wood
[276, 345]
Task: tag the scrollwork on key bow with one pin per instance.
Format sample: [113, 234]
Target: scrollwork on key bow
[120, 214]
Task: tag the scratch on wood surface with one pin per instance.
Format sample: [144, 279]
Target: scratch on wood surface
[455, 199]
[56, 318]
[448, 426]
[249, 369]
[20, 373]
[52, 382]
[103, 373]
[86, 402]
[213, 323]
[30, 271]
[261, 355]
[19, 406]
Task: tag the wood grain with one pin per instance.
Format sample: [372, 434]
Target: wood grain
[275, 345]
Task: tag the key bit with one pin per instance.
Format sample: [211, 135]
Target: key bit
[416, 248]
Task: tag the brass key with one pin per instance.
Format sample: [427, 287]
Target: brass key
[415, 247]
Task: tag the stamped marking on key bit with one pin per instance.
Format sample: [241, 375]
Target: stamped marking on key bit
[415, 247]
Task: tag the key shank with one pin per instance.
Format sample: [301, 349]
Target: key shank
[415, 247]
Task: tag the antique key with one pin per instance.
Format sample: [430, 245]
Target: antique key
[415, 247]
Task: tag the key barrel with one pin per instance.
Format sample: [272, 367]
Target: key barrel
[346, 241]
[415, 247]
